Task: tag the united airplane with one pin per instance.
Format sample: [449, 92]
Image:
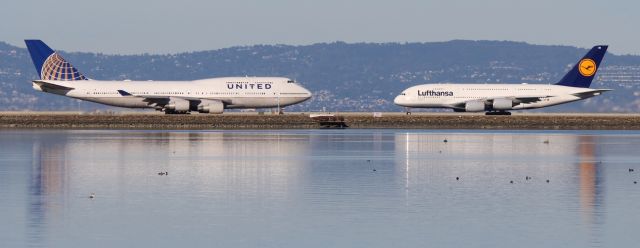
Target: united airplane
[213, 95]
[500, 98]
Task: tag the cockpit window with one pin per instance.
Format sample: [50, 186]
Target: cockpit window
[291, 81]
[404, 94]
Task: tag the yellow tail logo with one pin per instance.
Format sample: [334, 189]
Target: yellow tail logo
[587, 67]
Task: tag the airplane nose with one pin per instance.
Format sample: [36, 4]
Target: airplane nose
[399, 100]
[307, 93]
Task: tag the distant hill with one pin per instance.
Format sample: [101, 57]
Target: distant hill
[343, 77]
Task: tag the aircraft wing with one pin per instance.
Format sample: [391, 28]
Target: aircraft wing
[47, 85]
[158, 100]
[590, 93]
[125, 93]
[532, 99]
[527, 99]
[152, 100]
[515, 100]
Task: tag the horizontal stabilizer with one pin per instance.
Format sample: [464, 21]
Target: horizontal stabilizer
[52, 86]
[591, 93]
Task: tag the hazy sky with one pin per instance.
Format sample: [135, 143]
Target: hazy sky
[162, 26]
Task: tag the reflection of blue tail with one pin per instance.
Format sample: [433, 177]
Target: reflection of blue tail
[584, 71]
[50, 65]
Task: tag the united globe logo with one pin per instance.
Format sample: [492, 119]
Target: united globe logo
[56, 68]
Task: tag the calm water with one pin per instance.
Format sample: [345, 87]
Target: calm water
[316, 188]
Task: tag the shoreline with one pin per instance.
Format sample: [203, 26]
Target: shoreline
[357, 120]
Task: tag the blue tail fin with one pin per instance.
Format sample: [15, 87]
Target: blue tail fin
[584, 71]
[49, 64]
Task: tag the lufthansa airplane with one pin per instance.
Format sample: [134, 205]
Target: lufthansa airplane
[498, 99]
[213, 95]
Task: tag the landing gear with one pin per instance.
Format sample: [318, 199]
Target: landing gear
[498, 113]
[278, 111]
[408, 111]
[173, 112]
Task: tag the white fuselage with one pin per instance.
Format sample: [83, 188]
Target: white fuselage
[234, 92]
[455, 96]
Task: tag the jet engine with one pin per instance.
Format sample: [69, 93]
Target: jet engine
[474, 106]
[502, 104]
[211, 107]
[177, 105]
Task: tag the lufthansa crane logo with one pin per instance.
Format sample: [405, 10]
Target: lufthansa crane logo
[587, 67]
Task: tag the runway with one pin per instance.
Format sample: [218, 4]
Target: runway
[236, 120]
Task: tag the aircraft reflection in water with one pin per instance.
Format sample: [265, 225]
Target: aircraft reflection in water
[211, 154]
[488, 162]
[47, 189]
[222, 160]
[309, 186]
[65, 171]
[591, 185]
